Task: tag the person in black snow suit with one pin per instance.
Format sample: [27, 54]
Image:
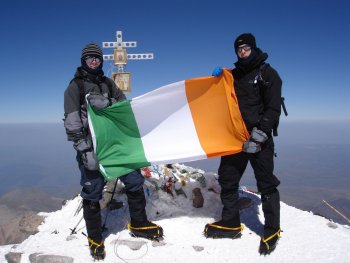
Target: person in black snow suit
[258, 90]
[89, 79]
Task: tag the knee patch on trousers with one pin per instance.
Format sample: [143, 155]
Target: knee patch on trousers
[133, 181]
[92, 183]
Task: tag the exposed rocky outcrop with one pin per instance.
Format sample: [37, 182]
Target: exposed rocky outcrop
[18, 213]
[20, 228]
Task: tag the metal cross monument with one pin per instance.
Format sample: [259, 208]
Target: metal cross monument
[120, 57]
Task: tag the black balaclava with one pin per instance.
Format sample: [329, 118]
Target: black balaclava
[247, 39]
[92, 50]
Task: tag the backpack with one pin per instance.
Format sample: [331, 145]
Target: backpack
[80, 83]
[260, 80]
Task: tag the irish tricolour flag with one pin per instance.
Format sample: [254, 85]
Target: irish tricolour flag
[184, 121]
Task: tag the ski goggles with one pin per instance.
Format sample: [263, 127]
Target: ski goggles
[89, 59]
[245, 48]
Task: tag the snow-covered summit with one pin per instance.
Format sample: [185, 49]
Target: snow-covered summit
[305, 237]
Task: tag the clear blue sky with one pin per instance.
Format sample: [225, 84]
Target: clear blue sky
[307, 42]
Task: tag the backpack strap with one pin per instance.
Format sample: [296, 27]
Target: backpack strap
[260, 79]
[259, 76]
[80, 84]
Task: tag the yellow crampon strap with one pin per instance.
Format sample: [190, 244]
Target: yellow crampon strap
[241, 227]
[141, 228]
[91, 242]
[144, 228]
[278, 233]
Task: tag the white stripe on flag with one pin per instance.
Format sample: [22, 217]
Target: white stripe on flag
[165, 122]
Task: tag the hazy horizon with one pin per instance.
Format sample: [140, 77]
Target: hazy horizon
[312, 161]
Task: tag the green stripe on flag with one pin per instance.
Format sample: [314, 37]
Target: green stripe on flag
[119, 147]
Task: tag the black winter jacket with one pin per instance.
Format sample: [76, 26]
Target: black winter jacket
[259, 101]
[75, 114]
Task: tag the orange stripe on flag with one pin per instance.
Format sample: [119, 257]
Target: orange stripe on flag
[216, 116]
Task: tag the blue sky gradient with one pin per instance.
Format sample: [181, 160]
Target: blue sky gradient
[41, 41]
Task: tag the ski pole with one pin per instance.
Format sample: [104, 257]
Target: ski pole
[73, 230]
[80, 206]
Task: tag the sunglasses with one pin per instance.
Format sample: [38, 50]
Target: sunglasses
[245, 48]
[89, 59]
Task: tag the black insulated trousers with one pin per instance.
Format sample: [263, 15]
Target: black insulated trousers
[230, 173]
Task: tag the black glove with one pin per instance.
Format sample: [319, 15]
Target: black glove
[90, 160]
[253, 144]
[98, 101]
[82, 145]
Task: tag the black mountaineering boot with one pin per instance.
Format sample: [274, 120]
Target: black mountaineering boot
[271, 208]
[137, 205]
[92, 217]
[97, 250]
[145, 229]
[139, 225]
[222, 229]
[269, 243]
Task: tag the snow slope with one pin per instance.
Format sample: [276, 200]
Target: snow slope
[305, 237]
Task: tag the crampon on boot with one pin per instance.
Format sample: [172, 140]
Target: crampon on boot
[146, 229]
[97, 250]
[267, 245]
[222, 229]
